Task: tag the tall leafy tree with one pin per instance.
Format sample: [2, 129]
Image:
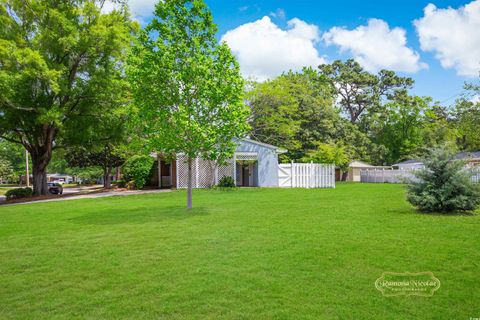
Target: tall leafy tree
[401, 126]
[188, 86]
[15, 155]
[106, 158]
[466, 117]
[359, 91]
[438, 128]
[6, 171]
[61, 68]
[329, 153]
[294, 110]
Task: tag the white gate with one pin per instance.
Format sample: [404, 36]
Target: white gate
[284, 175]
[306, 175]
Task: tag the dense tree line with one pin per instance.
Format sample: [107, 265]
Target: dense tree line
[340, 111]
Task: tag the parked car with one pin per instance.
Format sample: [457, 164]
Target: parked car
[60, 181]
[55, 188]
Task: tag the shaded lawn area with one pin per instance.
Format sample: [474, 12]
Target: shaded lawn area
[245, 254]
[4, 190]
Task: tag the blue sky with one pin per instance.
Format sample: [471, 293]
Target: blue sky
[440, 52]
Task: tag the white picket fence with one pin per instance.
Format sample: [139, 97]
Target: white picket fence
[386, 175]
[306, 175]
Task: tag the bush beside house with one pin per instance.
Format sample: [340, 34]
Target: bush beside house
[138, 169]
[226, 182]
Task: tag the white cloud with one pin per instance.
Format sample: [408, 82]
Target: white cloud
[264, 50]
[453, 35]
[376, 46]
[140, 9]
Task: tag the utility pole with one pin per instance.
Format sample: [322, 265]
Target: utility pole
[26, 165]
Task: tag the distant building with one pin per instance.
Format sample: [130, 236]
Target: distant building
[472, 158]
[51, 177]
[412, 164]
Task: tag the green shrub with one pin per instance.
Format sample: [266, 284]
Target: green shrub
[18, 193]
[138, 169]
[226, 182]
[443, 186]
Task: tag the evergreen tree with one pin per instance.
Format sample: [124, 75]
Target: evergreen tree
[444, 185]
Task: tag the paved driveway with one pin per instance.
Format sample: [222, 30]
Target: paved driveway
[97, 195]
[72, 190]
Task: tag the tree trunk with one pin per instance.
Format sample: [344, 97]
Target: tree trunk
[106, 177]
[41, 153]
[189, 184]
[40, 160]
[118, 173]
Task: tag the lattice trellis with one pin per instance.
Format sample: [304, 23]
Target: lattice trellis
[182, 171]
[205, 173]
[246, 156]
[226, 170]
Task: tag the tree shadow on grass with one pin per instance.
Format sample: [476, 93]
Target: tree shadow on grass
[448, 214]
[139, 215]
[412, 210]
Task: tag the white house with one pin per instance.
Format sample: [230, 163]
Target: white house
[254, 164]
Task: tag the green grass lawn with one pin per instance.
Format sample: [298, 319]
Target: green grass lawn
[245, 254]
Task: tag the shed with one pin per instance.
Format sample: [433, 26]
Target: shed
[354, 169]
[254, 164]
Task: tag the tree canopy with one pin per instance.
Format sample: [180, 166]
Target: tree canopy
[358, 90]
[62, 69]
[187, 86]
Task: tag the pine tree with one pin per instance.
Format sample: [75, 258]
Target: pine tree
[444, 185]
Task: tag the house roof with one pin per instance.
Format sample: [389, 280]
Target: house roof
[468, 155]
[360, 164]
[411, 161]
[266, 145]
[459, 156]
